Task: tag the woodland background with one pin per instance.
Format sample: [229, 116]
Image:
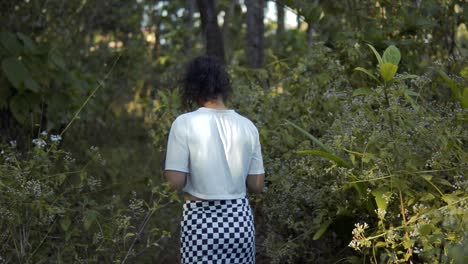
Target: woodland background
[361, 108]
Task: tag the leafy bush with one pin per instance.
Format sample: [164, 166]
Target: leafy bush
[54, 209]
[386, 177]
[35, 82]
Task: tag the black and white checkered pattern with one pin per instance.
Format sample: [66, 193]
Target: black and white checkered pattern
[218, 231]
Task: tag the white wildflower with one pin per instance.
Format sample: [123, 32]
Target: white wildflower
[13, 143]
[40, 143]
[55, 138]
[381, 213]
[359, 239]
[417, 250]
[44, 133]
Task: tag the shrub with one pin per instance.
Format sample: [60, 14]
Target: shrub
[54, 209]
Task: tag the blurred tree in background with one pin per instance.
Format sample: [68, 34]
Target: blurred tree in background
[88, 91]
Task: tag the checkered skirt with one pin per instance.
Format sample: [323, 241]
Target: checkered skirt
[217, 231]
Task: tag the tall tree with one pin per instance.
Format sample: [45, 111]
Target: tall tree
[188, 42]
[280, 17]
[255, 32]
[211, 30]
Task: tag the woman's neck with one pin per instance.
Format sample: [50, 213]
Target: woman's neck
[215, 104]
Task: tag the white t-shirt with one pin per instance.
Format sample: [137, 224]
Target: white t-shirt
[218, 148]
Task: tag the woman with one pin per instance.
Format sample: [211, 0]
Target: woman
[214, 155]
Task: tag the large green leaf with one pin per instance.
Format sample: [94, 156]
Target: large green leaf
[10, 43]
[388, 71]
[328, 156]
[377, 55]
[15, 71]
[392, 55]
[380, 198]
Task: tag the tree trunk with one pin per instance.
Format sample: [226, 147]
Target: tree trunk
[280, 18]
[227, 27]
[255, 32]
[188, 41]
[310, 33]
[211, 30]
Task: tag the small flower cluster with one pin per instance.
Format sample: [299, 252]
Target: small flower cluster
[41, 143]
[136, 205]
[381, 213]
[359, 239]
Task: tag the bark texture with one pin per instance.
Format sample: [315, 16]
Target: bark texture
[255, 32]
[213, 35]
[280, 17]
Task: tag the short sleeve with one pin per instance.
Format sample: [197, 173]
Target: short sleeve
[256, 163]
[177, 154]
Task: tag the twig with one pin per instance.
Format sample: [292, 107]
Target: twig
[100, 84]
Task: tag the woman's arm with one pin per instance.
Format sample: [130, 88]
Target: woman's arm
[255, 182]
[176, 179]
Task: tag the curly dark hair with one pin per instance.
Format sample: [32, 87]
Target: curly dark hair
[205, 79]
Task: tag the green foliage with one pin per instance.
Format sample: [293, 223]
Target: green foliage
[52, 210]
[460, 93]
[368, 140]
[381, 143]
[38, 82]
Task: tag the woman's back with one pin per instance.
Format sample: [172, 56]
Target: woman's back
[219, 148]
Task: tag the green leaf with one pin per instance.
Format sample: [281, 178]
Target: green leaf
[381, 244]
[425, 230]
[388, 71]
[392, 55]
[10, 43]
[444, 182]
[15, 71]
[129, 235]
[450, 198]
[65, 223]
[311, 137]
[460, 95]
[57, 60]
[464, 98]
[367, 72]
[5, 93]
[29, 45]
[31, 85]
[362, 91]
[410, 100]
[90, 217]
[427, 177]
[323, 228]
[404, 77]
[328, 156]
[377, 55]
[380, 200]
[20, 108]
